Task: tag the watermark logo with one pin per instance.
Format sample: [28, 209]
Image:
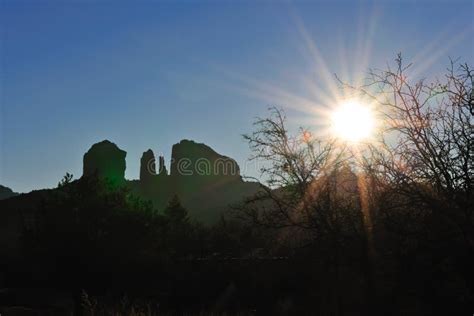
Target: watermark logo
[204, 167]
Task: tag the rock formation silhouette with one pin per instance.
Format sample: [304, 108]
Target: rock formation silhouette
[189, 158]
[106, 160]
[147, 166]
[162, 167]
[206, 182]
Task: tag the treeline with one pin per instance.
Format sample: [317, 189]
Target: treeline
[91, 236]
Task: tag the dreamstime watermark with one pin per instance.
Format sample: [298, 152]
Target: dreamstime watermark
[204, 167]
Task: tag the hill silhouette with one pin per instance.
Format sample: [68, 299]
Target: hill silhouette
[6, 193]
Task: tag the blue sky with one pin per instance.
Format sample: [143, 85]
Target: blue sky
[146, 74]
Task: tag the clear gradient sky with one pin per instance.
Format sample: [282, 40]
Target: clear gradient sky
[145, 74]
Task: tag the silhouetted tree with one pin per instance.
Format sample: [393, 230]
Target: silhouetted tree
[175, 212]
[65, 180]
[431, 160]
[311, 196]
[85, 225]
[423, 168]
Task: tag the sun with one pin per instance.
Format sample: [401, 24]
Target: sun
[352, 121]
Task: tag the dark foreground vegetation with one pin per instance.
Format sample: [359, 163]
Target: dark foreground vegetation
[104, 251]
[386, 229]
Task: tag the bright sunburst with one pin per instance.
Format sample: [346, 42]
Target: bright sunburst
[326, 103]
[352, 121]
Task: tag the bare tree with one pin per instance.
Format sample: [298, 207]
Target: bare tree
[311, 196]
[294, 166]
[426, 147]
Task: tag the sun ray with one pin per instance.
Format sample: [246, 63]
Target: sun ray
[321, 67]
[365, 43]
[269, 92]
[426, 59]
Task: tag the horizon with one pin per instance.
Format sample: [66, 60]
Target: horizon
[148, 75]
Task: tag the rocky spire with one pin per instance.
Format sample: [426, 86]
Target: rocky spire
[147, 166]
[162, 168]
